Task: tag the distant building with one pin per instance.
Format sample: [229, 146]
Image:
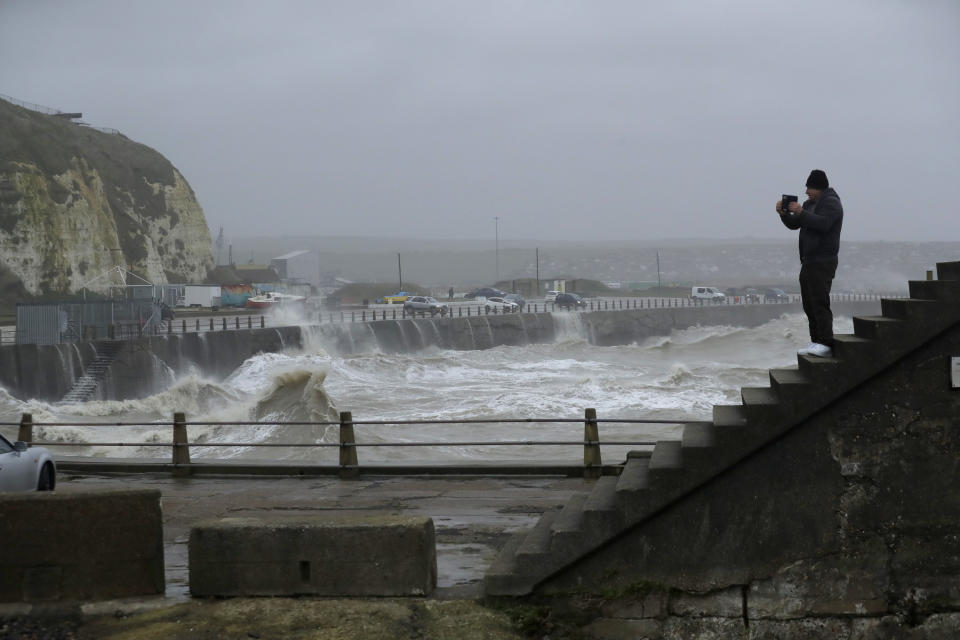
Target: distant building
[298, 266]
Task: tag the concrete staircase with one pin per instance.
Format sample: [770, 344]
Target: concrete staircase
[653, 481]
[86, 385]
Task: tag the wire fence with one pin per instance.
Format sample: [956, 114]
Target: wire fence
[348, 443]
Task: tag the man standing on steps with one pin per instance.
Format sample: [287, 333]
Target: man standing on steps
[819, 220]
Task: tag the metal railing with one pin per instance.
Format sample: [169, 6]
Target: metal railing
[348, 444]
[127, 331]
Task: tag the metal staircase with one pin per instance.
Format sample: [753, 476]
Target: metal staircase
[653, 481]
[86, 385]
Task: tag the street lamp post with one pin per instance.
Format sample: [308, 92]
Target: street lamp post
[496, 227]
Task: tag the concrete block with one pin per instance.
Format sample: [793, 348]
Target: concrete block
[93, 545]
[320, 555]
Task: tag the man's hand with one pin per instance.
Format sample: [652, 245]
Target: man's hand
[795, 207]
[780, 206]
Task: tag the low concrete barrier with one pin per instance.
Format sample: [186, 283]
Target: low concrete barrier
[322, 555]
[94, 545]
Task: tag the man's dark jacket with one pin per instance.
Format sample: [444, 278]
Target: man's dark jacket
[819, 225]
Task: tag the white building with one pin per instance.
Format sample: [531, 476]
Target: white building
[301, 266]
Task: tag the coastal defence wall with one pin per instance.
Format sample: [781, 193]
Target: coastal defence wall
[822, 506]
[147, 365]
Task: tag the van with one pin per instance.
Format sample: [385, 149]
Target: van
[706, 293]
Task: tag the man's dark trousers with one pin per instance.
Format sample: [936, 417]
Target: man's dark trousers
[816, 278]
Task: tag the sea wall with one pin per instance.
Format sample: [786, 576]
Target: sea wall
[847, 527]
[148, 365]
[141, 367]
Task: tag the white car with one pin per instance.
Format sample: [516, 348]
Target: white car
[707, 293]
[26, 468]
[425, 303]
[507, 305]
[551, 296]
[495, 305]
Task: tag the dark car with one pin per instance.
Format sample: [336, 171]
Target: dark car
[775, 295]
[166, 313]
[570, 301]
[485, 292]
[750, 295]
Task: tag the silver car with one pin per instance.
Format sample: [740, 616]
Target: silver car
[425, 303]
[25, 468]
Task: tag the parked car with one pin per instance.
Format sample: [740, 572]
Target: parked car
[707, 293]
[425, 303]
[485, 292]
[26, 468]
[551, 296]
[508, 305]
[517, 299]
[750, 295]
[395, 298]
[775, 295]
[570, 301]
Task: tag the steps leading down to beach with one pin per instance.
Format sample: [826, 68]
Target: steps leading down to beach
[651, 483]
[86, 385]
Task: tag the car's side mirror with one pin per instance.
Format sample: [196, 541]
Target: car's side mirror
[20, 445]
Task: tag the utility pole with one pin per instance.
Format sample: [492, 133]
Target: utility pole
[538, 269]
[496, 236]
[659, 285]
[399, 273]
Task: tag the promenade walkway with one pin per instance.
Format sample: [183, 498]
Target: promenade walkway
[473, 516]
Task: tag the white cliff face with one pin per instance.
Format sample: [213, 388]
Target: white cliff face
[65, 221]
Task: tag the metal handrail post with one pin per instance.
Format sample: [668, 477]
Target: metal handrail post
[591, 445]
[181, 447]
[349, 467]
[25, 434]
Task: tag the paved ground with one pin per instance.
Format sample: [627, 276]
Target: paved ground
[473, 516]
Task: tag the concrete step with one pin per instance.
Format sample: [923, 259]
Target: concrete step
[502, 578]
[636, 473]
[817, 369]
[667, 454]
[942, 290]
[571, 515]
[847, 346]
[729, 419]
[604, 495]
[948, 270]
[761, 405]
[787, 380]
[602, 515]
[905, 308]
[537, 540]
[698, 435]
[877, 327]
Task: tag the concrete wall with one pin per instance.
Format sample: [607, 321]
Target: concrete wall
[847, 527]
[148, 365]
[319, 555]
[80, 546]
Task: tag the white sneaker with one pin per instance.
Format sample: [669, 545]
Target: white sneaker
[816, 349]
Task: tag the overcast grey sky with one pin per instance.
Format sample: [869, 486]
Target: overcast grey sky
[593, 120]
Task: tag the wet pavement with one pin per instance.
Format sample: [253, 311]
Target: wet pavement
[473, 516]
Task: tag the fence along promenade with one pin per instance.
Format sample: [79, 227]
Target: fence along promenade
[129, 331]
[349, 464]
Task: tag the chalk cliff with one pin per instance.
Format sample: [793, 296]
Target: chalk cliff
[75, 202]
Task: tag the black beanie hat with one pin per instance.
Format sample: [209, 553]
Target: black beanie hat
[818, 180]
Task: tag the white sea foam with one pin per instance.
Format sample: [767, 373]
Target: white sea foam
[678, 376]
